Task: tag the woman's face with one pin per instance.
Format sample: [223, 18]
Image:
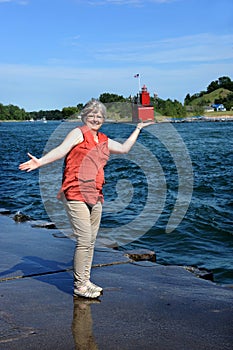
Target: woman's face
[94, 120]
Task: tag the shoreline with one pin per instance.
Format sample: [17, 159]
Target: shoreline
[134, 254]
[144, 305]
[158, 119]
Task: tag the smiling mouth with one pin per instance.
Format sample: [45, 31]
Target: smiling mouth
[95, 122]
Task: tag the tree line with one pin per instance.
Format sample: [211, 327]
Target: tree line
[119, 105]
[221, 83]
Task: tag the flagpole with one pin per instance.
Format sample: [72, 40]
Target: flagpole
[139, 83]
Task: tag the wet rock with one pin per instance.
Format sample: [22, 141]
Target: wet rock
[59, 235]
[4, 211]
[21, 217]
[200, 272]
[141, 254]
[48, 225]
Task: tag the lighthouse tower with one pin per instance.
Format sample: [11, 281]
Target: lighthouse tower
[142, 108]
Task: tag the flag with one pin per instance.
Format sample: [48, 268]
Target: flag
[136, 76]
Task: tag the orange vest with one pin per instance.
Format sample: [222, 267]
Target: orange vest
[83, 177]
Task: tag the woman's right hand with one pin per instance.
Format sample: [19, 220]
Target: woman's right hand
[31, 164]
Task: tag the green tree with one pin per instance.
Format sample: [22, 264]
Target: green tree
[212, 86]
[69, 111]
[170, 108]
[222, 82]
[80, 106]
[187, 99]
[227, 101]
[108, 98]
[11, 112]
[226, 83]
[2, 109]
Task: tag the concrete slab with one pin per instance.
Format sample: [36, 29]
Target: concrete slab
[161, 308]
[144, 305]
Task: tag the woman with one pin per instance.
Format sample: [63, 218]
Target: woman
[87, 151]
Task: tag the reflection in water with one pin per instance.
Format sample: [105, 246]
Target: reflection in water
[82, 324]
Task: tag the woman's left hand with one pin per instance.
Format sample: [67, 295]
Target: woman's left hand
[144, 124]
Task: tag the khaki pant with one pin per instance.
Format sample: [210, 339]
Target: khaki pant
[85, 221]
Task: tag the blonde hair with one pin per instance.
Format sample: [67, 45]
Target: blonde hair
[93, 106]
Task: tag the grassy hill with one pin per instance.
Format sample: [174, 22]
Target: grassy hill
[208, 99]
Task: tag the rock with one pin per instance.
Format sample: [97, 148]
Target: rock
[59, 235]
[201, 272]
[141, 254]
[21, 217]
[4, 211]
[48, 225]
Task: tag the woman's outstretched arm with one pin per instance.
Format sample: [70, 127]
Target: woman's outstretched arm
[121, 148]
[72, 139]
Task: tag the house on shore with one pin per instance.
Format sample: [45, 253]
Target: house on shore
[218, 107]
[208, 109]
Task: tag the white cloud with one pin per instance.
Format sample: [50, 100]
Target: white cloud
[172, 68]
[43, 87]
[197, 48]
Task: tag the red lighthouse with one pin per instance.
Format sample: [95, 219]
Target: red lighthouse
[142, 108]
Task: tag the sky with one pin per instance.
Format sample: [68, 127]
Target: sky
[59, 53]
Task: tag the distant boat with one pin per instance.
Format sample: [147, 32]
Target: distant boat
[44, 120]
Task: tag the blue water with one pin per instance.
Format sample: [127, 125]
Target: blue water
[142, 190]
